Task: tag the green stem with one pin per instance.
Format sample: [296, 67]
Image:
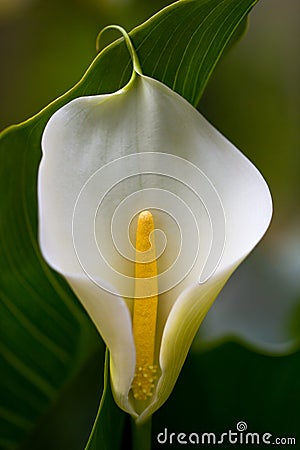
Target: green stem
[141, 435]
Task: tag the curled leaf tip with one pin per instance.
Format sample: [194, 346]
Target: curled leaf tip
[128, 42]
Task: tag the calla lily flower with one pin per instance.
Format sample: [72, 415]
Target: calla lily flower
[106, 159]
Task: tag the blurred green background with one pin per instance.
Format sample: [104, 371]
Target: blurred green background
[253, 99]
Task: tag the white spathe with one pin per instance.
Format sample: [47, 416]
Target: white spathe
[144, 120]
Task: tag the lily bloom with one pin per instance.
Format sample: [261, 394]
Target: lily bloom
[146, 210]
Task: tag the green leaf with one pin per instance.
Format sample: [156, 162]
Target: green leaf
[44, 332]
[46, 337]
[68, 423]
[107, 431]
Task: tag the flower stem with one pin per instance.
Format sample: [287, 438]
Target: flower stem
[141, 435]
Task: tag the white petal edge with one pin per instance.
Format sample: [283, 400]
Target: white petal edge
[149, 104]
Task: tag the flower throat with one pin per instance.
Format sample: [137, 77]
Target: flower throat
[145, 308]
